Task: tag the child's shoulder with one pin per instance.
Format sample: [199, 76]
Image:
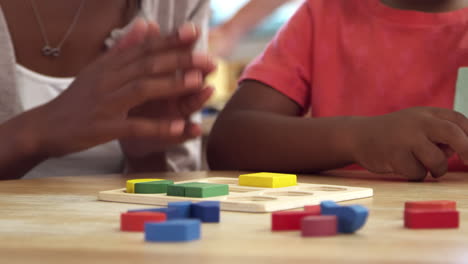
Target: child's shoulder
[325, 7]
[335, 3]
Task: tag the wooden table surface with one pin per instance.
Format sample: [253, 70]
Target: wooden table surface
[59, 220]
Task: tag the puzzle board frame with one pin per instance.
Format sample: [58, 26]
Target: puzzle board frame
[250, 199]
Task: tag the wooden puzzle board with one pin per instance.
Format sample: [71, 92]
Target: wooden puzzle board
[250, 199]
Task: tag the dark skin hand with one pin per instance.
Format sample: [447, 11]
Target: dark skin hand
[409, 143]
[142, 153]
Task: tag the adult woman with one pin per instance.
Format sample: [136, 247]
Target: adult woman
[137, 92]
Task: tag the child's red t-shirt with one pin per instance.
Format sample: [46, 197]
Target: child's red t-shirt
[362, 58]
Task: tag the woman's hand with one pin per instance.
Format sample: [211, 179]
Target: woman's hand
[139, 69]
[173, 108]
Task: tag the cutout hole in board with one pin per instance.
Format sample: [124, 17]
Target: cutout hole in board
[220, 181]
[233, 189]
[289, 193]
[252, 199]
[323, 189]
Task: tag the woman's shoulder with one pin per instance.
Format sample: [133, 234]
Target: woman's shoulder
[9, 100]
[170, 10]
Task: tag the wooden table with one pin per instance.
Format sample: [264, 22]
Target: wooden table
[59, 220]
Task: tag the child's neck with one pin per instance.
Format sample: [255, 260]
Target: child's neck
[433, 6]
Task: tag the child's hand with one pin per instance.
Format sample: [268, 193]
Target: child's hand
[410, 142]
[94, 110]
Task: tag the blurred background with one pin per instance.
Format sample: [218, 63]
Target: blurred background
[236, 42]
[254, 42]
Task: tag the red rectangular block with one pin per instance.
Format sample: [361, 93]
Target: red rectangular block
[135, 221]
[431, 219]
[319, 226]
[431, 205]
[290, 220]
[316, 209]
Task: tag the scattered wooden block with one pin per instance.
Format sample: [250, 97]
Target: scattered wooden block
[207, 211]
[288, 220]
[316, 209]
[431, 205]
[350, 218]
[173, 231]
[198, 190]
[152, 187]
[431, 219]
[171, 213]
[207, 190]
[131, 183]
[328, 206]
[268, 180]
[179, 189]
[319, 225]
[135, 221]
[182, 208]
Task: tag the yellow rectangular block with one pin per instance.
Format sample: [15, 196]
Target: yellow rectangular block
[268, 180]
[131, 183]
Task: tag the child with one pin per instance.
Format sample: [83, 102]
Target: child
[379, 79]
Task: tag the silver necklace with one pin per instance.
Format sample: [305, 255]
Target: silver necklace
[48, 50]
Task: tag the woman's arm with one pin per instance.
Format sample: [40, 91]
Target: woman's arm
[94, 109]
[21, 145]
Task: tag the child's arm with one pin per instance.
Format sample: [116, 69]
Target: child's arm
[269, 135]
[253, 134]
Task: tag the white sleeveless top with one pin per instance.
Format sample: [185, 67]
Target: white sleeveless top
[36, 89]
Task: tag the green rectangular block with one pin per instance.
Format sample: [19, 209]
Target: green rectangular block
[179, 189]
[207, 190]
[152, 187]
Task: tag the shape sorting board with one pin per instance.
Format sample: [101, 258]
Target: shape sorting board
[250, 199]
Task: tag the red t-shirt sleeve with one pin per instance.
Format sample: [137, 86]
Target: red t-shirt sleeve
[285, 65]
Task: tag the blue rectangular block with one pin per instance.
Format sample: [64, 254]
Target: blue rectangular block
[183, 208]
[207, 212]
[328, 206]
[173, 231]
[350, 218]
[171, 213]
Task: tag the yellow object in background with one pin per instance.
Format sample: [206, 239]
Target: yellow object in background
[131, 183]
[224, 80]
[268, 180]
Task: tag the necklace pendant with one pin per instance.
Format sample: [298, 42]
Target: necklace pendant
[50, 52]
